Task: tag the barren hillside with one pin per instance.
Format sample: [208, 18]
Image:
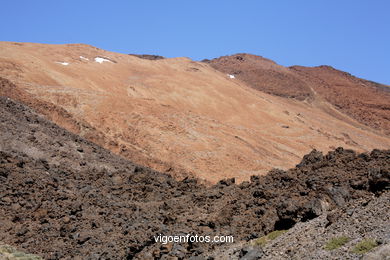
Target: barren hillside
[175, 115]
[366, 101]
[264, 75]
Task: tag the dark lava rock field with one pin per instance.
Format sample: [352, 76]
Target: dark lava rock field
[62, 197]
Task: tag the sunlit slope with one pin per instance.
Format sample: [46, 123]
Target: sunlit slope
[176, 115]
[366, 101]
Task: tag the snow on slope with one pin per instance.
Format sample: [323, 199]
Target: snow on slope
[63, 63]
[101, 60]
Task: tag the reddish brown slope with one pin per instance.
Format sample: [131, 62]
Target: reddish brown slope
[79, 126]
[263, 74]
[173, 115]
[366, 101]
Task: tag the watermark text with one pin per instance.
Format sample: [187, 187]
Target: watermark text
[189, 238]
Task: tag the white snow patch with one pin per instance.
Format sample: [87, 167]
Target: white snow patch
[101, 60]
[83, 58]
[231, 76]
[63, 63]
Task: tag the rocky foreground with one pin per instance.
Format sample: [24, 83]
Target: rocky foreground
[62, 197]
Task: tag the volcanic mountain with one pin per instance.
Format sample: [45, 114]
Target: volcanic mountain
[366, 101]
[184, 117]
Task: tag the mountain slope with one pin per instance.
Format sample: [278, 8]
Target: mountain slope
[174, 115]
[263, 74]
[366, 101]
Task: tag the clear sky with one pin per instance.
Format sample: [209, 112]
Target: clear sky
[351, 35]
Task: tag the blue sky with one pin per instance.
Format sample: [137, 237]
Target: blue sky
[353, 36]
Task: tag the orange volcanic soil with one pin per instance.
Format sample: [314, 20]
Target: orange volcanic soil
[366, 101]
[176, 115]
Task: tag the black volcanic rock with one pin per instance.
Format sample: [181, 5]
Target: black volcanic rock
[61, 195]
[148, 56]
